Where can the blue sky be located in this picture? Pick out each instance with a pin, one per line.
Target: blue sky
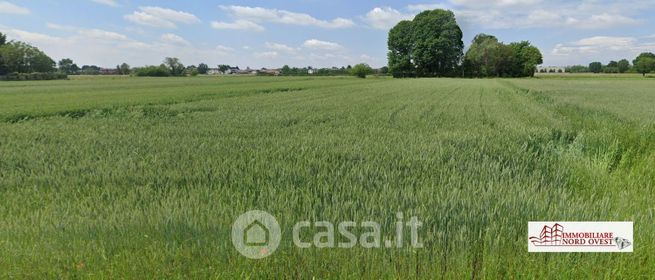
(312, 32)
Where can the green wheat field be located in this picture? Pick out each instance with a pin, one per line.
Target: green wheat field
(141, 178)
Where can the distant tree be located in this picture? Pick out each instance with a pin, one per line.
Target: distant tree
(644, 63)
(223, 68)
(175, 66)
(613, 64)
(67, 66)
(203, 68)
(286, 70)
(623, 65)
(596, 67)
(577, 69)
(400, 50)
(3, 41)
(90, 70)
(384, 70)
(153, 71)
(361, 70)
(124, 69)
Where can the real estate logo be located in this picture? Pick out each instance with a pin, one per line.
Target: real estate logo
(580, 237)
(256, 234)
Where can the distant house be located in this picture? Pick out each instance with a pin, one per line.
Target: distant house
(108, 71)
(551, 69)
(272, 72)
(246, 71)
(229, 71)
(232, 70)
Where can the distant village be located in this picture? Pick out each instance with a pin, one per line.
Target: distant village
(203, 69)
(247, 71)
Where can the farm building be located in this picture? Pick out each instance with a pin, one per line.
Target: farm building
(551, 69)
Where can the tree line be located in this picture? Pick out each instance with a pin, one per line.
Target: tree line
(431, 45)
(643, 64)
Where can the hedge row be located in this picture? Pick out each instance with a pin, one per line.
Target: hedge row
(33, 76)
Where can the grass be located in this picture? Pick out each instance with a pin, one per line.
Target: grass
(138, 177)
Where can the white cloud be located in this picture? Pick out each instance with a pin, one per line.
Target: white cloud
(267, 55)
(486, 3)
(111, 3)
(417, 8)
(9, 8)
(598, 48)
(96, 34)
(224, 48)
(321, 45)
(173, 39)
(244, 25)
(161, 17)
(107, 49)
(606, 41)
(279, 47)
(598, 44)
(102, 34)
(385, 18)
(259, 14)
(511, 14)
(602, 21)
(31, 37)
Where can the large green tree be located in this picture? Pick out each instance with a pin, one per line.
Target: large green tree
(400, 50)
(595, 67)
(623, 65)
(203, 68)
(481, 58)
(3, 41)
(487, 57)
(361, 70)
(437, 43)
(23, 58)
(645, 63)
(430, 45)
(527, 57)
(124, 69)
(175, 66)
(68, 67)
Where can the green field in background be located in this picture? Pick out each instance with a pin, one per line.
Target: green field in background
(138, 178)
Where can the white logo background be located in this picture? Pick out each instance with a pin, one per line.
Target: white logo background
(621, 230)
(256, 234)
